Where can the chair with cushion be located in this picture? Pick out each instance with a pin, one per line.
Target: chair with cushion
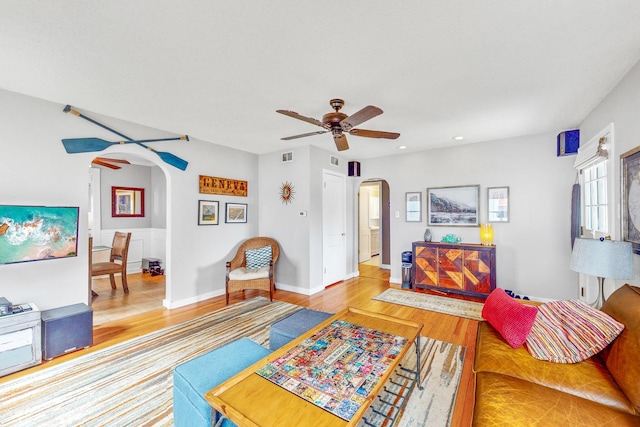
(119, 252)
(253, 266)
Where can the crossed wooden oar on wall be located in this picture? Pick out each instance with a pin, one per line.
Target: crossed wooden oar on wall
(87, 145)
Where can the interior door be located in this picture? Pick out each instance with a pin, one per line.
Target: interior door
(364, 241)
(334, 213)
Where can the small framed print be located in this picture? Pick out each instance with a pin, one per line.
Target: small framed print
(207, 212)
(236, 212)
(498, 204)
(414, 207)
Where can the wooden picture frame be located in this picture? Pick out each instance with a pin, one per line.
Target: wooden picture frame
(127, 202)
(498, 204)
(236, 213)
(630, 200)
(413, 203)
(456, 206)
(208, 212)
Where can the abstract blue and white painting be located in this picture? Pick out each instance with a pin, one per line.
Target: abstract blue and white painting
(32, 233)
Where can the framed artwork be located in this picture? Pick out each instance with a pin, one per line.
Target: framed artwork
(498, 204)
(630, 206)
(453, 206)
(236, 212)
(34, 233)
(413, 203)
(127, 202)
(207, 212)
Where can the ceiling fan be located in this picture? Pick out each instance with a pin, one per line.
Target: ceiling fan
(338, 123)
(109, 162)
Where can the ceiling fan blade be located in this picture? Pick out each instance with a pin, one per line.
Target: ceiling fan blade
(99, 162)
(301, 117)
(374, 133)
(302, 135)
(341, 142)
(109, 159)
(361, 116)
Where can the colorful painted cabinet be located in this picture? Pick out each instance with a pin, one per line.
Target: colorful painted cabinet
(467, 269)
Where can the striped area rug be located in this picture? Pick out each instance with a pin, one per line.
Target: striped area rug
(455, 307)
(131, 384)
(441, 370)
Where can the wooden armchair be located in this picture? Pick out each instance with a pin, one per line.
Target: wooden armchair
(240, 277)
(120, 252)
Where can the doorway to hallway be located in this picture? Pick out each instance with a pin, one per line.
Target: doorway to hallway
(374, 224)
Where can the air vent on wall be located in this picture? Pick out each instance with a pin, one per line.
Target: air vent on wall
(335, 161)
(287, 157)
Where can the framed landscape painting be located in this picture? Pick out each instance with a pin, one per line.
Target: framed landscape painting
(35, 233)
(236, 212)
(453, 206)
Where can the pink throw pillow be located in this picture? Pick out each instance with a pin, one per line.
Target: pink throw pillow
(511, 318)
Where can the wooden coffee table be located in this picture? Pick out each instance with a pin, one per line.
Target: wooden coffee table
(248, 399)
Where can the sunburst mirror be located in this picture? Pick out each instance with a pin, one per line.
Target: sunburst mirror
(286, 192)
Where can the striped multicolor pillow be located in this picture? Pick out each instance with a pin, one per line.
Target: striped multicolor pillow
(570, 331)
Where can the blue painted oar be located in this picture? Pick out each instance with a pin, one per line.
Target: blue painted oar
(85, 145)
(166, 157)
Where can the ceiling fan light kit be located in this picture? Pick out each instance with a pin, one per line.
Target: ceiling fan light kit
(338, 123)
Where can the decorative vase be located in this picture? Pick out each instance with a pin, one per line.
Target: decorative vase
(486, 234)
(427, 235)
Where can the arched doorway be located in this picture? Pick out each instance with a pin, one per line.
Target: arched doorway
(149, 239)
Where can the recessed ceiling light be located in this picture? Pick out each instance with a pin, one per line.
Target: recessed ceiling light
(402, 147)
(458, 138)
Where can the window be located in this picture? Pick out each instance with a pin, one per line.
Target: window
(595, 199)
(593, 163)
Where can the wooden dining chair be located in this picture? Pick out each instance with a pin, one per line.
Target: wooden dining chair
(119, 252)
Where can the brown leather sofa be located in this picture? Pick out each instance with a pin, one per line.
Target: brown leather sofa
(514, 389)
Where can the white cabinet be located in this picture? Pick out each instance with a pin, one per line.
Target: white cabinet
(375, 242)
(20, 340)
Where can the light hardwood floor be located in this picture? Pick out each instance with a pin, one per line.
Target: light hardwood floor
(355, 292)
(146, 293)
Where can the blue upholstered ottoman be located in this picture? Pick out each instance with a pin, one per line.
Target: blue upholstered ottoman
(294, 325)
(192, 379)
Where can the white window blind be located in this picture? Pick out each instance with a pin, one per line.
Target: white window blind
(592, 151)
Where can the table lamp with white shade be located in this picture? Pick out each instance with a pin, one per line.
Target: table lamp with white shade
(602, 258)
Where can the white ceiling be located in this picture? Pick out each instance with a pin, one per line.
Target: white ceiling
(218, 70)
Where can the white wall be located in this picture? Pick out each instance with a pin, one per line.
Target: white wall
(134, 176)
(36, 170)
(299, 268)
(533, 249)
(282, 221)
